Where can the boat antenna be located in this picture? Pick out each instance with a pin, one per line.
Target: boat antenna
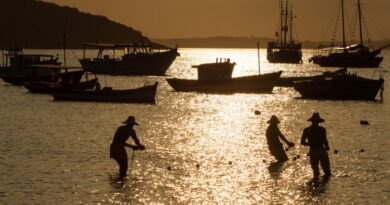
(258, 56)
(64, 41)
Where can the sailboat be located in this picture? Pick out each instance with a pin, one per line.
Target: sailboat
(281, 50)
(358, 55)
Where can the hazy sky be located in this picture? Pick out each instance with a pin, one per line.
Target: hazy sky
(204, 18)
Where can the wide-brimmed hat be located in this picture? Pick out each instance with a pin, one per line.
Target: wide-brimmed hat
(273, 120)
(130, 120)
(316, 118)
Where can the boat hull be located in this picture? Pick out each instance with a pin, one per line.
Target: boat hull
(248, 84)
(355, 60)
(144, 94)
(21, 78)
(155, 64)
(50, 88)
(341, 88)
(285, 56)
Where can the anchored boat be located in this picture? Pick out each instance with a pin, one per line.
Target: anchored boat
(137, 59)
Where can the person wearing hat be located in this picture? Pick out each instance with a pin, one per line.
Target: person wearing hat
(274, 145)
(314, 136)
(117, 148)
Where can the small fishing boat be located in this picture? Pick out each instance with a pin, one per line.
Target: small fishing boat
(19, 67)
(145, 94)
(344, 86)
(50, 87)
(217, 78)
(138, 59)
(289, 81)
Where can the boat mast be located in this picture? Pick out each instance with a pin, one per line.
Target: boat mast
(285, 28)
(360, 23)
(258, 56)
(291, 23)
(281, 22)
(342, 17)
(64, 39)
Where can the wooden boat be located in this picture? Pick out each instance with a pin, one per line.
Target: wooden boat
(289, 81)
(138, 59)
(17, 58)
(54, 73)
(281, 50)
(216, 78)
(340, 87)
(19, 67)
(357, 55)
(50, 87)
(144, 94)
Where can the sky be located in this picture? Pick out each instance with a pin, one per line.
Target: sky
(315, 19)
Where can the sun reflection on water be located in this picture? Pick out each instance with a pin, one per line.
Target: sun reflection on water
(201, 148)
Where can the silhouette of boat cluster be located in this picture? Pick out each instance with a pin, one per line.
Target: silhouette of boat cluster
(44, 74)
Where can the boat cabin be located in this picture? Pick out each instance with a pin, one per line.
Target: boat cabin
(16, 57)
(221, 69)
(129, 51)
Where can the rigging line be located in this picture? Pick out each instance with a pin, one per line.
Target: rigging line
(335, 28)
(373, 23)
(163, 168)
(367, 34)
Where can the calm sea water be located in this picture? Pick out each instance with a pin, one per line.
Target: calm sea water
(58, 152)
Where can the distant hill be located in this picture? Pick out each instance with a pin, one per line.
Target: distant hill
(235, 42)
(36, 24)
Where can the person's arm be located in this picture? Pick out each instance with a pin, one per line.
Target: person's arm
(133, 135)
(325, 142)
(304, 139)
(290, 144)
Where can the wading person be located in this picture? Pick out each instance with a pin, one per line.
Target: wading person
(275, 146)
(117, 148)
(314, 136)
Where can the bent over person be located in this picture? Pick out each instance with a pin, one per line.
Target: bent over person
(314, 136)
(275, 146)
(117, 148)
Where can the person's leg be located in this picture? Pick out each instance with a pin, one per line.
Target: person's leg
(325, 164)
(279, 153)
(122, 162)
(314, 162)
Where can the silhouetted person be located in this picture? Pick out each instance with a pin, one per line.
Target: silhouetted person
(117, 148)
(315, 137)
(275, 146)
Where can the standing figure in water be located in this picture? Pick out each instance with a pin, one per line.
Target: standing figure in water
(275, 146)
(315, 137)
(117, 148)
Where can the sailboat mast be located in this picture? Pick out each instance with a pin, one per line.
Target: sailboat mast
(342, 17)
(285, 28)
(360, 23)
(281, 22)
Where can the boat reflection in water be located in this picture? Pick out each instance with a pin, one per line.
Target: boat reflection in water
(217, 78)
